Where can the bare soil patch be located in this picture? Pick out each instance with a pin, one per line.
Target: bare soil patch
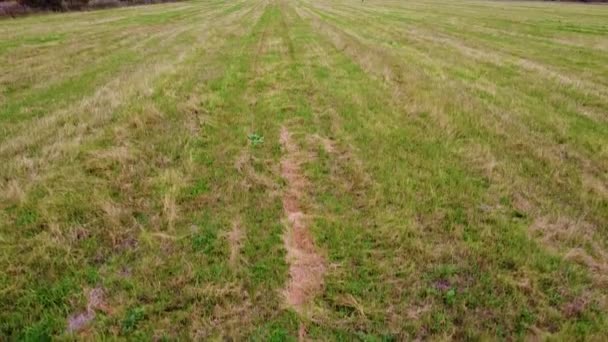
(306, 266)
(95, 301)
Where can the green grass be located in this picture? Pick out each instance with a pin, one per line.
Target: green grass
(455, 156)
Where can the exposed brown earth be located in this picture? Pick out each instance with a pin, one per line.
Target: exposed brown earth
(95, 301)
(306, 266)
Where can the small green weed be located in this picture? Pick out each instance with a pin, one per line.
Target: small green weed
(255, 139)
(132, 318)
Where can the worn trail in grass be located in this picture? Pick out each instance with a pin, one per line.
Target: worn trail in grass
(305, 169)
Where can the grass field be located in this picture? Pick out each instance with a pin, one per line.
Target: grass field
(299, 169)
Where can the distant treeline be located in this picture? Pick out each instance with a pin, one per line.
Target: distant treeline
(576, 0)
(21, 7)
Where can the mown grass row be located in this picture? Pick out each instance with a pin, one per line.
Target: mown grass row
(441, 218)
(142, 206)
(455, 156)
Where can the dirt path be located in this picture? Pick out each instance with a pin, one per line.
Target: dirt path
(306, 266)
